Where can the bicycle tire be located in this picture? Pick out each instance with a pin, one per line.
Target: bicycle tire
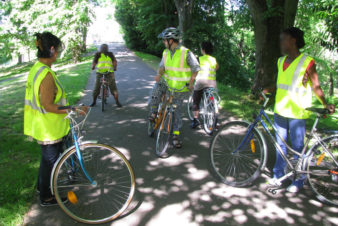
(209, 117)
(95, 204)
(189, 108)
(251, 156)
(164, 135)
(103, 100)
(151, 130)
(322, 182)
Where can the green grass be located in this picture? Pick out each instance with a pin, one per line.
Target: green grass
(151, 60)
(19, 159)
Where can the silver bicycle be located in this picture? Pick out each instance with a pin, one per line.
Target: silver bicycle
(209, 108)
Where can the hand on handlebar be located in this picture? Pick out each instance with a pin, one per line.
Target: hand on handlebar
(157, 78)
(331, 108)
(190, 86)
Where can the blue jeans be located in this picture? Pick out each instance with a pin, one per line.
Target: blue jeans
(49, 154)
(294, 131)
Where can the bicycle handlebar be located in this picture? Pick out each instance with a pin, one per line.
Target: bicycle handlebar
(173, 89)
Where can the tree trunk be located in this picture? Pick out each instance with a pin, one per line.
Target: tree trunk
(269, 21)
(19, 59)
(184, 11)
(331, 85)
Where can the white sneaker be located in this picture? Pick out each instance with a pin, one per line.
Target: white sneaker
(274, 182)
(292, 189)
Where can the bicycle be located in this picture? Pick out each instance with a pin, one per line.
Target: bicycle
(208, 109)
(163, 122)
(104, 89)
(238, 155)
(98, 180)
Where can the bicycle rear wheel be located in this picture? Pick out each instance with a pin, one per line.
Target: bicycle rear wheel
(209, 115)
(189, 106)
(237, 154)
(94, 204)
(164, 135)
(103, 101)
(323, 170)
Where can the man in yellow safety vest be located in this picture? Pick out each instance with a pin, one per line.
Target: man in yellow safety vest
(178, 68)
(297, 78)
(106, 64)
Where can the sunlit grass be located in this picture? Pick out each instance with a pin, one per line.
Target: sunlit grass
(150, 60)
(19, 159)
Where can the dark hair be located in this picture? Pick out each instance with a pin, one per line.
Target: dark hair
(104, 48)
(297, 34)
(44, 41)
(207, 47)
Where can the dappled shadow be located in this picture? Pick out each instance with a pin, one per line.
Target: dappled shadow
(180, 190)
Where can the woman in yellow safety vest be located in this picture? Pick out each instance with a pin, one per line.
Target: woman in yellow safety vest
(42, 119)
(206, 78)
(297, 77)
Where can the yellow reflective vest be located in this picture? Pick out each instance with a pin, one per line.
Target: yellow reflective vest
(38, 123)
(177, 72)
(292, 96)
(105, 64)
(208, 68)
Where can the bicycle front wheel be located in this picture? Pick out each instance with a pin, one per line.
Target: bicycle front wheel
(322, 170)
(164, 135)
(108, 197)
(103, 100)
(238, 154)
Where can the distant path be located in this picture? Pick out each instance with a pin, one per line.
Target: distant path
(178, 191)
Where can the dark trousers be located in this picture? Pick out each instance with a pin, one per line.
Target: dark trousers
(49, 154)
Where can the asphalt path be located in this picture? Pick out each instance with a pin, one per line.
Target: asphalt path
(180, 190)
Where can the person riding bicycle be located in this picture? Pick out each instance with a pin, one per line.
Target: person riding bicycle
(105, 62)
(206, 78)
(297, 78)
(42, 119)
(178, 66)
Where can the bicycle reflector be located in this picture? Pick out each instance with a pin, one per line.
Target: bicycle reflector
(72, 197)
(212, 98)
(320, 159)
(252, 145)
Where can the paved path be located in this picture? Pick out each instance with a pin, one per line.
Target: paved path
(178, 191)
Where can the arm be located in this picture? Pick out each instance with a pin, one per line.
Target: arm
(313, 75)
(95, 60)
(160, 71)
(114, 60)
(195, 68)
(47, 95)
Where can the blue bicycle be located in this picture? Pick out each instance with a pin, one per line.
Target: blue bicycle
(98, 180)
(238, 155)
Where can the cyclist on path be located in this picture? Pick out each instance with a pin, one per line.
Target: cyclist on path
(206, 78)
(297, 78)
(105, 61)
(178, 67)
(42, 119)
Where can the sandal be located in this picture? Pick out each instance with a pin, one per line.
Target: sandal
(176, 142)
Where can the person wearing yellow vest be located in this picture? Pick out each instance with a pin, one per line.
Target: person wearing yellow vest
(178, 68)
(297, 78)
(206, 78)
(42, 119)
(105, 61)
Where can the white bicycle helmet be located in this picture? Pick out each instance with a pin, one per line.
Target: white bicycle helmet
(170, 32)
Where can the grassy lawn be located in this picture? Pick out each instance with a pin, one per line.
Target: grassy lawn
(151, 60)
(242, 105)
(19, 159)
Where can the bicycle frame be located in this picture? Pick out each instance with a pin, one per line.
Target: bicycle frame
(259, 119)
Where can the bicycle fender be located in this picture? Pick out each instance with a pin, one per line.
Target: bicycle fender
(65, 152)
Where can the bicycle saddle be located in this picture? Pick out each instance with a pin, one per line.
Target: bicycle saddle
(321, 111)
